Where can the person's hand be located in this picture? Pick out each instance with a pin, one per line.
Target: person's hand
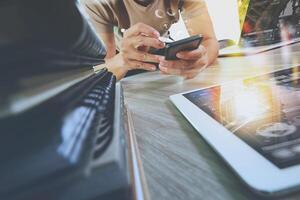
(133, 47)
(189, 65)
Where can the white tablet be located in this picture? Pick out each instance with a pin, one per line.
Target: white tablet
(254, 125)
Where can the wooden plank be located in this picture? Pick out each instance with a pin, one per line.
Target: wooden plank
(178, 163)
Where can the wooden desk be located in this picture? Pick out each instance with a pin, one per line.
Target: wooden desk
(178, 163)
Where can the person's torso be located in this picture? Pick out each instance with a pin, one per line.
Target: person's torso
(160, 14)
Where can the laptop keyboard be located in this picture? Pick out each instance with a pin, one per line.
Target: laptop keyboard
(102, 99)
(93, 115)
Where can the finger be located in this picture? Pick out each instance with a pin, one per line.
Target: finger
(143, 56)
(192, 55)
(203, 62)
(178, 64)
(141, 65)
(147, 41)
(141, 28)
(171, 71)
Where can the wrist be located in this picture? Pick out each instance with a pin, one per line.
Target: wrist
(115, 66)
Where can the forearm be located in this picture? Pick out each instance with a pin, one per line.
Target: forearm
(112, 63)
(130, 56)
(198, 22)
(212, 47)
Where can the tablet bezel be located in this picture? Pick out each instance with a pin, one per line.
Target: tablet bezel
(256, 171)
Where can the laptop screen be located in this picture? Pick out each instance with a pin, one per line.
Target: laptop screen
(271, 21)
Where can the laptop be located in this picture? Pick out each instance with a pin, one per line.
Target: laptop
(268, 24)
(65, 130)
(254, 125)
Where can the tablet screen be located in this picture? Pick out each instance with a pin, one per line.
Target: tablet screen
(263, 111)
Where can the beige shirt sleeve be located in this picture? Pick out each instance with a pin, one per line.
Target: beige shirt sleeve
(101, 15)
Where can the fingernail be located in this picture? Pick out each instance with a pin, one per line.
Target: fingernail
(178, 55)
(153, 68)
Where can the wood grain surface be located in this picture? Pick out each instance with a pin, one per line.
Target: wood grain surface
(178, 163)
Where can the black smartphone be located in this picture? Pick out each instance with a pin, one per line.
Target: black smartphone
(187, 44)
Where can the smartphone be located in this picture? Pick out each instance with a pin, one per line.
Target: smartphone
(187, 44)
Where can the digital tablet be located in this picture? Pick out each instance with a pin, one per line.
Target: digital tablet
(254, 125)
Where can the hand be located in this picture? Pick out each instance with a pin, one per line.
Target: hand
(133, 45)
(189, 65)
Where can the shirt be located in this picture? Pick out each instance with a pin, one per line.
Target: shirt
(122, 14)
